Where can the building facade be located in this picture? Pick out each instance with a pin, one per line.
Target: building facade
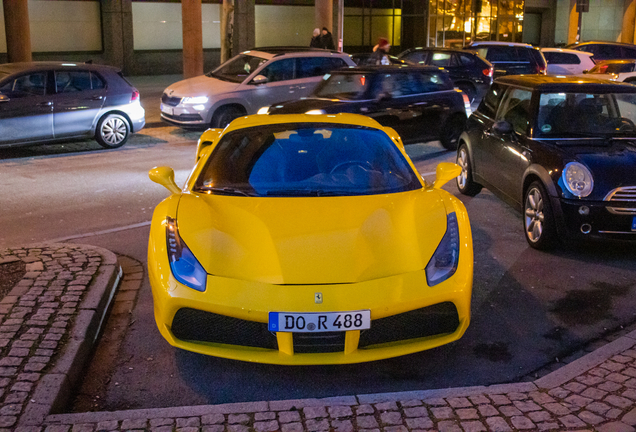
(146, 37)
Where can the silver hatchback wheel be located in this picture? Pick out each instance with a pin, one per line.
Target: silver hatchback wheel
(112, 131)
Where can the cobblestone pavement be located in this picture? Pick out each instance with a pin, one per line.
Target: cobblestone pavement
(42, 313)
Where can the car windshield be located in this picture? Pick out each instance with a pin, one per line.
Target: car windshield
(571, 115)
(306, 159)
(237, 68)
(343, 86)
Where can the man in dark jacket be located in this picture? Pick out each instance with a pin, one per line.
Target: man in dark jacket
(326, 41)
(315, 40)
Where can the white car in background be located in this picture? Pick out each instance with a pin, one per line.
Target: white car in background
(614, 70)
(563, 61)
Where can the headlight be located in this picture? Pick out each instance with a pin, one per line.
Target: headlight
(184, 265)
(316, 112)
(263, 110)
(194, 100)
(443, 264)
(578, 179)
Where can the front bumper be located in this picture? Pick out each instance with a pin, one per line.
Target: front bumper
(407, 316)
(605, 220)
(184, 116)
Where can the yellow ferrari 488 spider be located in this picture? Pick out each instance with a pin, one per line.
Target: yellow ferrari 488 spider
(309, 239)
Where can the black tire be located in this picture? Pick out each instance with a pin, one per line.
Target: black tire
(469, 89)
(451, 130)
(539, 224)
(112, 131)
(224, 116)
(465, 183)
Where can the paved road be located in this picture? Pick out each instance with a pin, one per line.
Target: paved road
(528, 307)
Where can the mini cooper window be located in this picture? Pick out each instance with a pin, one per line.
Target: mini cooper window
(292, 160)
(515, 109)
(571, 115)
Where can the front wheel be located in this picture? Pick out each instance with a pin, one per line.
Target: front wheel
(538, 220)
(451, 130)
(224, 116)
(465, 182)
(112, 131)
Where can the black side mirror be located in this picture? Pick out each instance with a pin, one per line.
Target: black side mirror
(502, 127)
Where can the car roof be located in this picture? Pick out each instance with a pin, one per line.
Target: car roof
(616, 61)
(282, 50)
(575, 44)
(264, 119)
(566, 50)
(495, 43)
(445, 49)
(386, 68)
(561, 83)
(11, 68)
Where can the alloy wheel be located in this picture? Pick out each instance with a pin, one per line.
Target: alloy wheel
(534, 216)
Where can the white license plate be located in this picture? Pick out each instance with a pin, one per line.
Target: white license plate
(167, 109)
(314, 322)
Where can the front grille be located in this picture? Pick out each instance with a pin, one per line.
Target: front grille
(429, 321)
(183, 117)
(622, 194)
(311, 343)
(172, 101)
(200, 326)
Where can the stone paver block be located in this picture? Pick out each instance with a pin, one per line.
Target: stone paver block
(386, 406)
(590, 380)
(317, 425)
(541, 398)
(598, 408)
(510, 411)
(578, 400)
(411, 403)
(419, 423)
(364, 409)
(630, 417)
(264, 416)
(557, 408)
(590, 418)
(366, 422)
(340, 411)
(612, 366)
(571, 421)
(459, 402)
(487, 410)
(479, 400)
(513, 396)
(521, 422)
(238, 419)
(473, 426)
(57, 428)
(134, 424)
(186, 422)
(442, 413)
(594, 393)
(617, 377)
(548, 426)
(391, 418)
(610, 386)
(156, 422)
(526, 406)
(575, 387)
(208, 428)
(266, 426)
(613, 413)
(416, 412)
(629, 393)
(315, 412)
(448, 426)
(211, 419)
(237, 428)
(292, 427)
(435, 402)
(342, 425)
(615, 427)
(395, 429)
(539, 416)
(467, 413)
(559, 392)
(288, 416)
(618, 401)
(500, 399)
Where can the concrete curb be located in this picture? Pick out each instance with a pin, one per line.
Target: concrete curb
(52, 393)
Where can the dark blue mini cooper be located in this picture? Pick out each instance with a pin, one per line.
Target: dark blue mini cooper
(561, 150)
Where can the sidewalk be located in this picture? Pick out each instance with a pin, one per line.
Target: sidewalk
(50, 320)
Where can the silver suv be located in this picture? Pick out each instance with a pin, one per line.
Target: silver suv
(246, 83)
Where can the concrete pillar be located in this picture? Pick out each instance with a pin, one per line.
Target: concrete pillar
(573, 22)
(324, 15)
(191, 23)
(629, 20)
(117, 34)
(244, 32)
(18, 34)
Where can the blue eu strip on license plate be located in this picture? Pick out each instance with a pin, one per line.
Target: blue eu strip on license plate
(634, 224)
(315, 322)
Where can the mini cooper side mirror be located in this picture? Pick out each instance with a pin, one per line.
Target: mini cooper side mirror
(165, 177)
(502, 127)
(4, 98)
(445, 172)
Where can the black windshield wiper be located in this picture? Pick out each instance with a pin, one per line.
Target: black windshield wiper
(226, 191)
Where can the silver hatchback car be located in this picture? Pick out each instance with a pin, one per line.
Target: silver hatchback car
(245, 83)
(53, 101)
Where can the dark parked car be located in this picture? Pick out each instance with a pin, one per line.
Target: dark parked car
(511, 58)
(561, 150)
(470, 73)
(364, 59)
(420, 103)
(606, 50)
(52, 101)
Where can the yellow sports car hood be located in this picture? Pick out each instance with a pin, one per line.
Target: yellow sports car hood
(312, 240)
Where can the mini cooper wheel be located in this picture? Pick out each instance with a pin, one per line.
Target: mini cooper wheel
(112, 131)
(538, 220)
(224, 116)
(465, 182)
(451, 130)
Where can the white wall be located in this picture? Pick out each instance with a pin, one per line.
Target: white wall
(284, 25)
(75, 25)
(157, 26)
(604, 21)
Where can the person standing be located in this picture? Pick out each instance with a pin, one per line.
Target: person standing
(315, 40)
(380, 54)
(326, 40)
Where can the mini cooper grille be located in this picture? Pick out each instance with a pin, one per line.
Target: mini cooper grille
(305, 343)
(172, 101)
(622, 194)
(429, 321)
(200, 326)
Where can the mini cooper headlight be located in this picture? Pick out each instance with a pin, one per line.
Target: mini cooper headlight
(443, 264)
(184, 265)
(578, 179)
